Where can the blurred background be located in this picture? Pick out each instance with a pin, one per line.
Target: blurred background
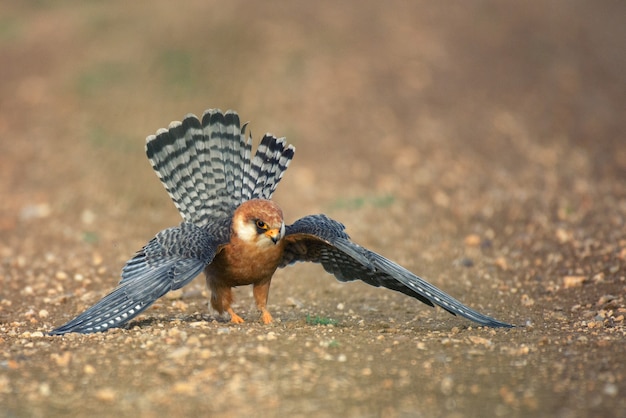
(406, 95)
(433, 130)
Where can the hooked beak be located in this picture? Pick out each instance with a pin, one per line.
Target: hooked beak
(275, 234)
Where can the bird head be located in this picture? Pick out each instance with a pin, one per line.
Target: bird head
(260, 222)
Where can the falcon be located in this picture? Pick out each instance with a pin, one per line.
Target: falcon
(233, 232)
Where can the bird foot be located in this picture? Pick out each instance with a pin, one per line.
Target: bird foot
(266, 317)
(235, 319)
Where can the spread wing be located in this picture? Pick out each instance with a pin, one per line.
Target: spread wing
(173, 258)
(320, 239)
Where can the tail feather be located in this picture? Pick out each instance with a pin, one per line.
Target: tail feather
(174, 163)
(206, 166)
(269, 164)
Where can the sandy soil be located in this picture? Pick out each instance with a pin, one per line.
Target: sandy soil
(479, 145)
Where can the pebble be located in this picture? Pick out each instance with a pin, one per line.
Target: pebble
(480, 341)
(573, 281)
(87, 217)
(174, 294)
(526, 300)
(44, 389)
(184, 388)
(502, 263)
(96, 259)
(610, 389)
(446, 386)
(61, 360)
(37, 211)
(472, 240)
(178, 353)
(106, 395)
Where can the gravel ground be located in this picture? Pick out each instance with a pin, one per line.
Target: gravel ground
(480, 145)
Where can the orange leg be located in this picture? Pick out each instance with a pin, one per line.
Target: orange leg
(261, 293)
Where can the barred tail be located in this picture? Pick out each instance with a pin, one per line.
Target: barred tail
(206, 166)
(268, 166)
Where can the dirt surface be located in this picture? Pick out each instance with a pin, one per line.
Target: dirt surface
(480, 145)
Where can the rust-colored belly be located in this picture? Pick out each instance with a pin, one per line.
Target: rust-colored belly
(238, 265)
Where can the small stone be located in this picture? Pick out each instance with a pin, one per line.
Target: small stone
(96, 259)
(464, 262)
(184, 388)
(174, 294)
(598, 277)
(610, 389)
(106, 395)
(446, 385)
(43, 313)
(61, 360)
(604, 299)
(263, 350)
(507, 395)
(44, 389)
(181, 352)
(87, 217)
(480, 340)
(39, 211)
(527, 300)
(441, 199)
(193, 340)
(563, 236)
(502, 263)
(173, 332)
(472, 240)
(573, 281)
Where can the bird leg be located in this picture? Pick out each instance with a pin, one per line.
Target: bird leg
(221, 298)
(261, 292)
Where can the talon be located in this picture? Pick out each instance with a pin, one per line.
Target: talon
(266, 317)
(234, 318)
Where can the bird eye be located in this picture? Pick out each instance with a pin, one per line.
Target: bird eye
(260, 224)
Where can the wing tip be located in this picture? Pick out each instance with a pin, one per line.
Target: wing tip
(494, 323)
